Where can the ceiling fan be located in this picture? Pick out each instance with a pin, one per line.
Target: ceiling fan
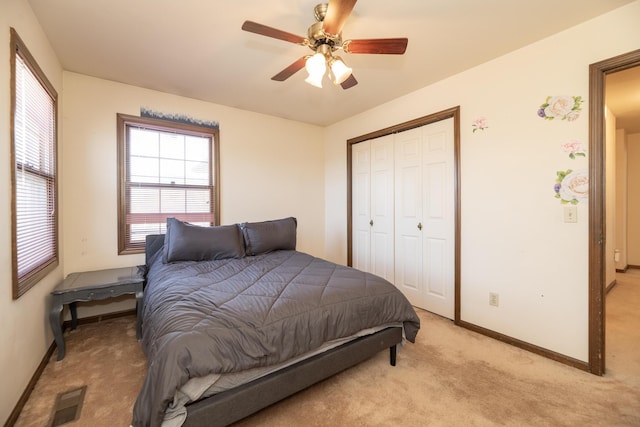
(324, 37)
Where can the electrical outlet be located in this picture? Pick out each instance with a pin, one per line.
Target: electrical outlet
(494, 299)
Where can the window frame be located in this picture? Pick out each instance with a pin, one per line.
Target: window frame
(22, 283)
(124, 122)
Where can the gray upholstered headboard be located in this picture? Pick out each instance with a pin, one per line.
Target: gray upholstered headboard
(153, 244)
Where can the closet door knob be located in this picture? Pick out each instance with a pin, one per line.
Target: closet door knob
(419, 226)
(371, 223)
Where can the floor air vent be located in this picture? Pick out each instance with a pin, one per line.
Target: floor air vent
(68, 406)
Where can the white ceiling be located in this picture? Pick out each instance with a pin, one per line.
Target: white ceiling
(196, 48)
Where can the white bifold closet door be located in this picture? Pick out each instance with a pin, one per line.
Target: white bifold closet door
(424, 212)
(403, 213)
(373, 206)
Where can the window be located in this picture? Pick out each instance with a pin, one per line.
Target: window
(34, 178)
(166, 169)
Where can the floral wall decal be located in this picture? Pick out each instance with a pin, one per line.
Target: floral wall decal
(572, 187)
(561, 107)
(479, 124)
(575, 149)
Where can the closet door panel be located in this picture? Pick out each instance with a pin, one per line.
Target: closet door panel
(435, 267)
(435, 197)
(382, 207)
(438, 218)
(408, 208)
(361, 205)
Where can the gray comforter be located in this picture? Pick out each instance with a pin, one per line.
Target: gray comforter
(235, 314)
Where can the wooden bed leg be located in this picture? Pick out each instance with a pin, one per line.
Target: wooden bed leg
(392, 355)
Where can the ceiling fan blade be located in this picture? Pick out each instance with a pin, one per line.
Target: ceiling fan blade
(350, 82)
(337, 13)
(254, 27)
(290, 70)
(395, 46)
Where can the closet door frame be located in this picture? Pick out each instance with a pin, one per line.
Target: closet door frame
(415, 123)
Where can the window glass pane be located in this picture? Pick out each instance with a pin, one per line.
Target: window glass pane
(171, 146)
(197, 173)
(172, 171)
(173, 200)
(34, 172)
(167, 172)
(198, 201)
(144, 169)
(139, 231)
(33, 214)
(145, 200)
(143, 142)
(197, 148)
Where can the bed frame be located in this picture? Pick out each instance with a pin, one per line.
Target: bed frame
(233, 405)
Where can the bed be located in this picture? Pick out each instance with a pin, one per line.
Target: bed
(235, 319)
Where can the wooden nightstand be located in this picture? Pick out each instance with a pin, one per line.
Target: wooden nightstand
(90, 286)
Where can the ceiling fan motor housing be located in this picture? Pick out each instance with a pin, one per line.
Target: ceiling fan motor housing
(318, 37)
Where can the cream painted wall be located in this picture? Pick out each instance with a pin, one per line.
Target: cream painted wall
(25, 335)
(633, 218)
(270, 168)
(514, 240)
(621, 199)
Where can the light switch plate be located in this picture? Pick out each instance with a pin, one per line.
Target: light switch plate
(570, 214)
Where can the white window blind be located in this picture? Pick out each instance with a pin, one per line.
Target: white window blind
(35, 234)
(167, 173)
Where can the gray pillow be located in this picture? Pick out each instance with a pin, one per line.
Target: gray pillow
(267, 236)
(188, 242)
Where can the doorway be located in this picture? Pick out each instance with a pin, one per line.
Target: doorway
(597, 203)
(622, 117)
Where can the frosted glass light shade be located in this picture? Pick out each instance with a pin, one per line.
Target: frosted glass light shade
(316, 67)
(340, 71)
(315, 80)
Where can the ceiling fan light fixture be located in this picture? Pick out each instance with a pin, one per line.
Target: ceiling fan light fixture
(315, 80)
(316, 66)
(339, 70)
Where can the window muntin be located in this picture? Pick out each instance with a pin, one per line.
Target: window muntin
(166, 170)
(34, 170)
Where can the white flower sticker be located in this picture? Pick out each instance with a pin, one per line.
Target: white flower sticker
(561, 107)
(572, 186)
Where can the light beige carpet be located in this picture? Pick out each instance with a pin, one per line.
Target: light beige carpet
(450, 377)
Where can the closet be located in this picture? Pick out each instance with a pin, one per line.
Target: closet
(403, 215)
